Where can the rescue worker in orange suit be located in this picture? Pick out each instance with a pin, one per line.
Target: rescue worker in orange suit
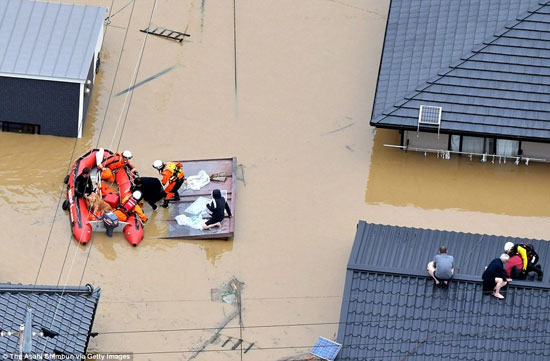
(128, 206)
(172, 179)
(113, 163)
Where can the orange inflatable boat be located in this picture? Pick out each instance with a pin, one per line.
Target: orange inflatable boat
(83, 221)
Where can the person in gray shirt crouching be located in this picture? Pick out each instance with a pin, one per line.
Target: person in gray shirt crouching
(442, 267)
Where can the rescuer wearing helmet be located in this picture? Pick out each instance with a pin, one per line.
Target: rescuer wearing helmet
(115, 162)
(128, 206)
(172, 179)
(528, 256)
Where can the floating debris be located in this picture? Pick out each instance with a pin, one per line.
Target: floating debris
(166, 33)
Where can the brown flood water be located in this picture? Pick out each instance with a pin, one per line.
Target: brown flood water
(296, 118)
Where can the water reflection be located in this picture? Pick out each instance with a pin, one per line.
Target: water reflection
(409, 178)
(214, 249)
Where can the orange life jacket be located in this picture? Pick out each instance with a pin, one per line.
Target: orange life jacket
(113, 162)
(172, 171)
(128, 206)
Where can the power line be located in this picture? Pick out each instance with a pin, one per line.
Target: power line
(210, 300)
(54, 217)
(70, 237)
(401, 354)
(105, 115)
(63, 188)
(396, 318)
(136, 73)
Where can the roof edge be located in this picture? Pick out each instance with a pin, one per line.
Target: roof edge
(19, 288)
(444, 230)
(458, 277)
(40, 77)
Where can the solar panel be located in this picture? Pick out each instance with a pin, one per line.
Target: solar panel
(429, 115)
(326, 349)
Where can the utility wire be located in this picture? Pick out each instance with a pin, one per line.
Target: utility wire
(70, 237)
(455, 292)
(314, 324)
(54, 217)
(442, 355)
(105, 116)
(210, 300)
(131, 92)
(63, 188)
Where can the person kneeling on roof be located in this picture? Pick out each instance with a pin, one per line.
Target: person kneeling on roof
(172, 179)
(442, 267)
(217, 206)
(529, 258)
(83, 183)
(113, 163)
(128, 206)
(494, 277)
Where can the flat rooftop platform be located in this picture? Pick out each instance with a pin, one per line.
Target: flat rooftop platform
(226, 166)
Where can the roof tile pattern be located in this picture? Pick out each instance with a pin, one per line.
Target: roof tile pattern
(486, 63)
(410, 249)
(392, 311)
(68, 312)
(402, 317)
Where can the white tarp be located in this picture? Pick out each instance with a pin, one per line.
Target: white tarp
(194, 222)
(196, 182)
(198, 206)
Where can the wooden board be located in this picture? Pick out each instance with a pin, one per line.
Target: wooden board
(188, 196)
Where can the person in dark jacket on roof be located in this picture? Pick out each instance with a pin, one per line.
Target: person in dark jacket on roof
(83, 184)
(218, 206)
(494, 277)
(151, 190)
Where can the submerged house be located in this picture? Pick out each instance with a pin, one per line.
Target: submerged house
(62, 319)
(467, 76)
(49, 55)
(392, 311)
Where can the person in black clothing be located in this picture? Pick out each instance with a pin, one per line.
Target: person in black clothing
(217, 207)
(494, 277)
(83, 184)
(151, 190)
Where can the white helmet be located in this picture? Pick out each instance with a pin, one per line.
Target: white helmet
(136, 195)
(158, 164)
(127, 154)
(508, 246)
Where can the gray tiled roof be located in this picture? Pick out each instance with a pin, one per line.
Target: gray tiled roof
(50, 40)
(410, 249)
(391, 310)
(487, 63)
(72, 311)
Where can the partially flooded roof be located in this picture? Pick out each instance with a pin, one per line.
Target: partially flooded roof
(391, 309)
(48, 40)
(484, 62)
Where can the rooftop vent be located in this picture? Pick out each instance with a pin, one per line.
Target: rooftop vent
(429, 115)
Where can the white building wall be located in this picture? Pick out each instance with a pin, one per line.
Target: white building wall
(535, 150)
(426, 140)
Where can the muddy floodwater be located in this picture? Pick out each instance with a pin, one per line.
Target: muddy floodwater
(287, 88)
